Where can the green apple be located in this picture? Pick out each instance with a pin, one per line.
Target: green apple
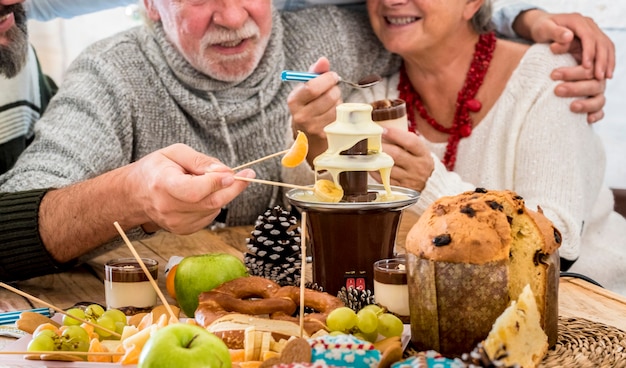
(184, 345)
(195, 274)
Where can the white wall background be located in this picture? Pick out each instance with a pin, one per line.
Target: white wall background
(611, 17)
(59, 42)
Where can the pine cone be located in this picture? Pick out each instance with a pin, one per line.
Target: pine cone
(355, 299)
(274, 247)
(314, 286)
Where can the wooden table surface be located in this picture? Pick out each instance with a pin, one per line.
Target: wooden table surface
(577, 298)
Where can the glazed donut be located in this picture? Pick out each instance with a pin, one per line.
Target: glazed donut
(247, 295)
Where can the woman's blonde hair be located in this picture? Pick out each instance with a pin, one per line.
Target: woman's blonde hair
(481, 21)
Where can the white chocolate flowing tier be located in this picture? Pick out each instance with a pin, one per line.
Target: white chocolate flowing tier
(354, 124)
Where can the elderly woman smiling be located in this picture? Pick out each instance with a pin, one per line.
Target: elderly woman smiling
(486, 115)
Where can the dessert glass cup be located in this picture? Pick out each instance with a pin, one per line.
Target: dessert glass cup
(390, 286)
(390, 113)
(127, 287)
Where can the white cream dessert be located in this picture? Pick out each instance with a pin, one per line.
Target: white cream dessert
(129, 294)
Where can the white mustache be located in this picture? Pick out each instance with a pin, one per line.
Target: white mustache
(223, 35)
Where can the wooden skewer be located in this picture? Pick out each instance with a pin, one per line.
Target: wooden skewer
(145, 270)
(259, 160)
(277, 183)
(302, 269)
(63, 352)
(34, 298)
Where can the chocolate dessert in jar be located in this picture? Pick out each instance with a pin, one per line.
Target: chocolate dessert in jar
(348, 236)
(390, 113)
(126, 286)
(391, 290)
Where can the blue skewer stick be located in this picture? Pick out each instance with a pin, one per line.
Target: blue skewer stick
(10, 317)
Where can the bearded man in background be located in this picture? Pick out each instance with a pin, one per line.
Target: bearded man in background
(25, 89)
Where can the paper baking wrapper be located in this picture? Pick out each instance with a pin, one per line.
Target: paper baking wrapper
(550, 321)
(453, 305)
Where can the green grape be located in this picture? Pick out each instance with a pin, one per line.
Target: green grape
(53, 335)
(366, 320)
(106, 322)
(74, 338)
(374, 308)
(371, 337)
(336, 333)
(93, 312)
(76, 312)
(116, 315)
(41, 342)
(119, 327)
(341, 319)
(389, 325)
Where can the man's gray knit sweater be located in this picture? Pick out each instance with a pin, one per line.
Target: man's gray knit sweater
(132, 94)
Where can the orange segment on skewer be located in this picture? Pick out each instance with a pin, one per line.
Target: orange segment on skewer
(169, 282)
(298, 151)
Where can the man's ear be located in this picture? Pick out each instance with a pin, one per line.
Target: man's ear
(471, 7)
(151, 10)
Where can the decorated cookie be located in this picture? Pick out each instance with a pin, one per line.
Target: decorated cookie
(428, 359)
(301, 365)
(344, 351)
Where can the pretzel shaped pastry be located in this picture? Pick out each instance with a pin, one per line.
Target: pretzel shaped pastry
(255, 295)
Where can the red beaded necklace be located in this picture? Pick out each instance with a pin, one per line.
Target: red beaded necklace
(465, 102)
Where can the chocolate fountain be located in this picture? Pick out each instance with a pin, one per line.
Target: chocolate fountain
(347, 237)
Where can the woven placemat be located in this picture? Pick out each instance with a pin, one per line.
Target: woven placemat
(584, 343)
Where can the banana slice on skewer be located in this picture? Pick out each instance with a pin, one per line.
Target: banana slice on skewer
(327, 191)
